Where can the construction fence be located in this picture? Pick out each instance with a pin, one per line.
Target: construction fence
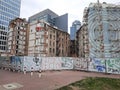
(27, 63)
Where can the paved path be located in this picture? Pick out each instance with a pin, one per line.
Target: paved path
(50, 80)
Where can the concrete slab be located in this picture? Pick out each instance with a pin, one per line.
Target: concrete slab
(2, 88)
(11, 86)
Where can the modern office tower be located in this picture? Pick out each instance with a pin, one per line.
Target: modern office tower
(46, 40)
(61, 22)
(9, 9)
(18, 37)
(73, 29)
(103, 24)
(73, 43)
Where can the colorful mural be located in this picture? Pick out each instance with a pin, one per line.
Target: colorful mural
(67, 62)
(56, 63)
(31, 63)
(81, 64)
(3, 62)
(15, 62)
(51, 63)
(97, 65)
(113, 65)
(27, 63)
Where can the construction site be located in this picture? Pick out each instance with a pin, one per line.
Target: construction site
(38, 54)
(42, 44)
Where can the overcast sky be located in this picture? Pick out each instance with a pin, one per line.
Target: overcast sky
(74, 8)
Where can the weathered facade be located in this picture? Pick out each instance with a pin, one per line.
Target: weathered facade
(73, 48)
(62, 43)
(104, 30)
(102, 23)
(18, 37)
(82, 39)
(46, 40)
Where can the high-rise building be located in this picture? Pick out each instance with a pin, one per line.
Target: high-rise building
(73, 29)
(61, 22)
(9, 9)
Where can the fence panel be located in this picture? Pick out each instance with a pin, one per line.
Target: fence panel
(81, 64)
(104, 65)
(113, 65)
(51, 63)
(67, 62)
(97, 65)
(31, 63)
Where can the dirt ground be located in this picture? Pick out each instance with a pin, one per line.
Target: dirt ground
(49, 80)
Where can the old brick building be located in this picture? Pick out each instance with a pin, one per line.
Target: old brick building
(46, 40)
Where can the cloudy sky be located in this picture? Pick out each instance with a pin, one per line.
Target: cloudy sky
(74, 8)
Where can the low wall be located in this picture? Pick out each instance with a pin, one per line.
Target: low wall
(113, 65)
(97, 65)
(41, 63)
(103, 65)
(4, 62)
(81, 63)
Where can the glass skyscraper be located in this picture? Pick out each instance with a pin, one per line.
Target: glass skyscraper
(61, 22)
(73, 29)
(9, 9)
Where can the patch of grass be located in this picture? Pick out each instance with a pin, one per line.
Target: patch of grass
(94, 84)
(65, 88)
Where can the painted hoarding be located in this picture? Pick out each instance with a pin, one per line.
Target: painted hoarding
(97, 65)
(67, 62)
(16, 62)
(31, 63)
(25, 63)
(81, 64)
(113, 65)
(51, 63)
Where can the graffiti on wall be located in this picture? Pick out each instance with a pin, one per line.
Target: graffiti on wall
(113, 65)
(51, 63)
(15, 59)
(30, 64)
(97, 65)
(15, 62)
(36, 60)
(67, 63)
(4, 61)
(81, 64)
(106, 65)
